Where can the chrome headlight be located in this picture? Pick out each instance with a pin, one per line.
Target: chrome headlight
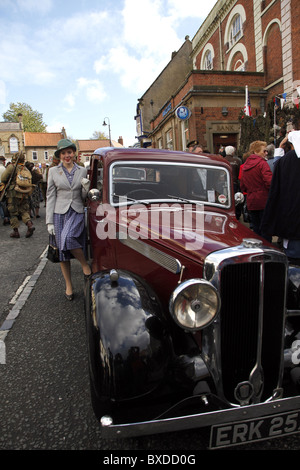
(194, 304)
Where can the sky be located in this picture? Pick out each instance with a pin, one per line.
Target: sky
(78, 62)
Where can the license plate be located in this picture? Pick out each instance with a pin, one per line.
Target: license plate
(256, 429)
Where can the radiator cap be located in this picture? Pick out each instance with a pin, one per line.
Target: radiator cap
(252, 243)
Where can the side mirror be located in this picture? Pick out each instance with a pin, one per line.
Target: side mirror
(239, 198)
(94, 195)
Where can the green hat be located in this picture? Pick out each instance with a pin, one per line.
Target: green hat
(64, 144)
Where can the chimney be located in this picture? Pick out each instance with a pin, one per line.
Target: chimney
(120, 140)
(20, 116)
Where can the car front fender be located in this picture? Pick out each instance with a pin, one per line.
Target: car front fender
(128, 344)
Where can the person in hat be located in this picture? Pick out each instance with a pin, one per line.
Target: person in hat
(66, 192)
(191, 144)
(17, 202)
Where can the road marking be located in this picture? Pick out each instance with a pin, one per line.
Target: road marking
(19, 291)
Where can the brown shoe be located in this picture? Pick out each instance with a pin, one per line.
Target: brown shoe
(30, 230)
(15, 233)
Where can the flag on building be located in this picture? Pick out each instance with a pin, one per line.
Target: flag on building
(247, 108)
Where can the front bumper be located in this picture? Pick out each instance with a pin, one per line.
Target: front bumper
(233, 415)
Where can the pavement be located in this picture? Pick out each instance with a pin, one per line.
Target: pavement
(22, 262)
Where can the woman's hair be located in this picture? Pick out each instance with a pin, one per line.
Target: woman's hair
(245, 156)
(256, 146)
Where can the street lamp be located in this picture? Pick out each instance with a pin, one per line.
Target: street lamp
(105, 124)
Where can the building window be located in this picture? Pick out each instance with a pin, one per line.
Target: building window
(169, 139)
(236, 30)
(208, 61)
(46, 155)
(159, 143)
(13, 145)
(239, 66)
(207, 57)
(34, 156)
(234, 26)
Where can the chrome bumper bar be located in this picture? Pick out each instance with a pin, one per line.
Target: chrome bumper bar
(199, 420)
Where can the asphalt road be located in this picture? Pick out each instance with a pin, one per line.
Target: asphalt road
(44, 384)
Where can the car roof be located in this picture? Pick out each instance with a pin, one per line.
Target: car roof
(113, 154)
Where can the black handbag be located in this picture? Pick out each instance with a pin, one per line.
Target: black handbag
(53, 252)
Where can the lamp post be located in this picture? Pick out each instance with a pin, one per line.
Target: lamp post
(105, 124)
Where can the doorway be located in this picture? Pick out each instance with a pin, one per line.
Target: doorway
(222, 140)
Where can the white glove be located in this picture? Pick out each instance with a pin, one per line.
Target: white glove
(85, 183)
(50, 228)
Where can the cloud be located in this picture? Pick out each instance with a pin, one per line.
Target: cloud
(56, 126)
(91, 89)
(156, 34)
(189, 9)
(134, 73)
(145, 47)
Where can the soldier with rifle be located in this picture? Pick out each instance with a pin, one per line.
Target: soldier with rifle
(17, 202)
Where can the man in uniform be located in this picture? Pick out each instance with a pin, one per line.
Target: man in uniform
(17, 203)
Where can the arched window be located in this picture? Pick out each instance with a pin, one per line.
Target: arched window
(236, 30)
(234, 26)
(208, 63)
(239, 66)
(207, 59)
(238, 58)
(13, 144)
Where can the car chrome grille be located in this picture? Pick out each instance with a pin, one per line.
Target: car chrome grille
(251, 324)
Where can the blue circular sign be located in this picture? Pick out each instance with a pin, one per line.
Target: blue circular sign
(182, 112)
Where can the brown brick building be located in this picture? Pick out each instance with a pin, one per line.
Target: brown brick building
(241, 43)
(40, 146)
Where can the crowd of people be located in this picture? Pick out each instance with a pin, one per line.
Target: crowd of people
(269, 183)
(62, 187)
(267, 176)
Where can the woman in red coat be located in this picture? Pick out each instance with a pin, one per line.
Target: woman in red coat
(256, 182)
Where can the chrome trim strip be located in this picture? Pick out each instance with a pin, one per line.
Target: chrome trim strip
(202, 419)
(293, 313)
(166, 261)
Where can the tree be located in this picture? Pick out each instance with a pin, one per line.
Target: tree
(32, 120)
(98, 135)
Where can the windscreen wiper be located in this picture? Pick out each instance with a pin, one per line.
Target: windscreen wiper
(183, 199)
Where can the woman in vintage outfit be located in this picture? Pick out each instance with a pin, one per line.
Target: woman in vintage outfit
(66, 192)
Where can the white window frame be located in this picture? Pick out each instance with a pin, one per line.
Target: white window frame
(13, 144)
(237, 48)
(34, 156)
(169, 139)
(236, 30)
(208, 51)
(46, 155)
(232, 36)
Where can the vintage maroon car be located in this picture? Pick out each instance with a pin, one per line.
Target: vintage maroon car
(192, 320)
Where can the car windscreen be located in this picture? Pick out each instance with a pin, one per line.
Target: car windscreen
(163, 182)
